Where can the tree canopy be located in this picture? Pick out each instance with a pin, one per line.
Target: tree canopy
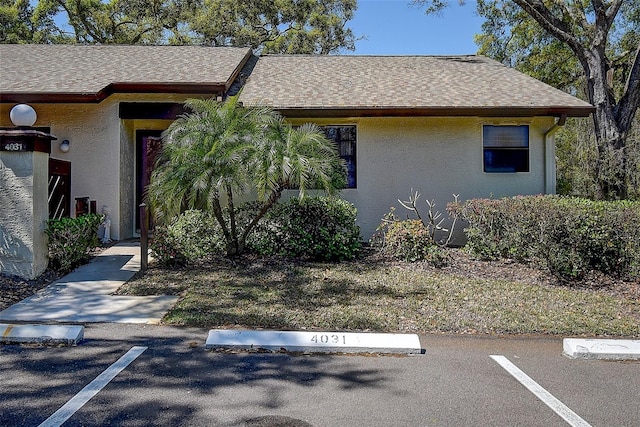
(18, 25)
(589, 48)
(275, 26)
(269, 26)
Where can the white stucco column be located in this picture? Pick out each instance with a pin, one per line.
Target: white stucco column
(24, 173)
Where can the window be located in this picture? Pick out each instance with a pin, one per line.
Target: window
(345, 139)
(505, 148)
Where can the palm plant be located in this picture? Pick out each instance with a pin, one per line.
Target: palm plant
(221, 150)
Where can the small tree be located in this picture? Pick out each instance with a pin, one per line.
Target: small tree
(422, 238)
(219, 151)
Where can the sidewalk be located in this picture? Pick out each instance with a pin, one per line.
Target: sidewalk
(84, 295)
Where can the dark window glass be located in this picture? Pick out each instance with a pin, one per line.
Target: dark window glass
(505, 149)
(345, 139)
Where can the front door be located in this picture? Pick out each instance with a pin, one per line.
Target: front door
(59, 188)
(148, 145)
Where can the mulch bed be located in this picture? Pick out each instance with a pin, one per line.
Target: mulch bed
(14, 289)
(463, 264)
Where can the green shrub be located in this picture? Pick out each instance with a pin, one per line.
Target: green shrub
(198, 235)
(410, 240)
(191, 237)
(165, 248)
(318, 228)
(569, 236)
(70, 240)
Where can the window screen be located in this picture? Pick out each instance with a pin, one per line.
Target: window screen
(505, 148)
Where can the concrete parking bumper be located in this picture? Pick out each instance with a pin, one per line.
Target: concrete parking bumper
(602, 349)
(41, 334)
(313, 342)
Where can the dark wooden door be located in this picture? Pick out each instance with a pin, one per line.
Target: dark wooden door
(149, 144)
(59, 188)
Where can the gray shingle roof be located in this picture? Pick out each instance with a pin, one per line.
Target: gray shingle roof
(294, 84)
(468, 85)
(88, 69)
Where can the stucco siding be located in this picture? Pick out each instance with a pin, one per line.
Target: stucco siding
(127, 179)
(40, 211)
(437, 157)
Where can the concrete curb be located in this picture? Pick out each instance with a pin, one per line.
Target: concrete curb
(601, 349)
(41, 334)
(313, 342)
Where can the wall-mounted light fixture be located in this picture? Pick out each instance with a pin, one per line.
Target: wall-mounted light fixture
(23, 115)
(64, 146)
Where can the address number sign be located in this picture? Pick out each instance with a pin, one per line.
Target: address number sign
(13, 146)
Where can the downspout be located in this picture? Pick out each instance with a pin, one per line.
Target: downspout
(550, 156)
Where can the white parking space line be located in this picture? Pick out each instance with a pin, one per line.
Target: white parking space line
(558, 407)
(91, 389)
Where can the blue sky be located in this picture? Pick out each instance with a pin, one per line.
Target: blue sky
(395, 27)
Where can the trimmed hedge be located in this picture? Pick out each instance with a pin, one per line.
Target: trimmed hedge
(317, 228)
(193, 236)
(568, 236)
(70, 240)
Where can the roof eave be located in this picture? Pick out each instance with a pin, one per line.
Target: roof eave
(48, 98)
(111, 89)
(320, 112)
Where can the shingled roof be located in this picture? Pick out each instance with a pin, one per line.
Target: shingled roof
(320, 85)
(89, 73)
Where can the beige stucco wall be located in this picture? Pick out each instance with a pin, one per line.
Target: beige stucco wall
(436, 156)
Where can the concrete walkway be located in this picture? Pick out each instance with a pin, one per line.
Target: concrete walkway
(84, 295)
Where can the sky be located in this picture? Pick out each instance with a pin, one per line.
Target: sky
(396, 27)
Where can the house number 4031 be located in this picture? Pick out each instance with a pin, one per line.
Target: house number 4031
(329, 339)
(13, 146)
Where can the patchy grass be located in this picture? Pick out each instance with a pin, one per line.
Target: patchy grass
(376, 295)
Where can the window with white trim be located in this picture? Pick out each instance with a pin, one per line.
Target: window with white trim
(505, 148)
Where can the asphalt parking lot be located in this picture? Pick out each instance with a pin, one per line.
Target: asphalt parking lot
(169, 379)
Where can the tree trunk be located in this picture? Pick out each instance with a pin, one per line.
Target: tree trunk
(268, 204)
(217, 212)
(233, 247)
(610, 138)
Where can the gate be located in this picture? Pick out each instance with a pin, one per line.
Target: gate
(59, 188)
